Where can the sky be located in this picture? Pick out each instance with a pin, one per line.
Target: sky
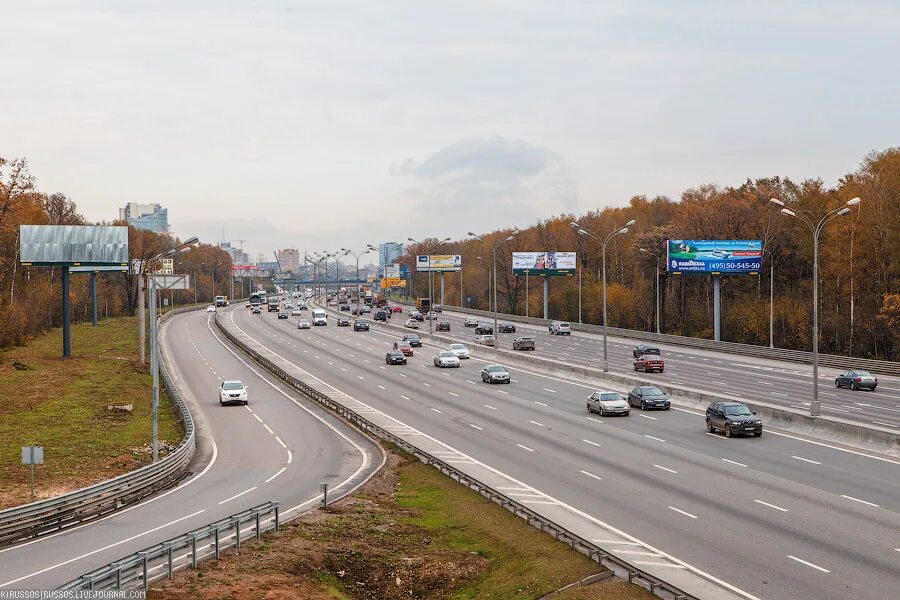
(321, 125)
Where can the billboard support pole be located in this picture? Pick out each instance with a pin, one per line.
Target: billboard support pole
(546, 297)
(154, 370)
(526, 294)
(67, 322)
(94, 298)
(442, 288)
(717, 307)
(579, 292)
(460, 287)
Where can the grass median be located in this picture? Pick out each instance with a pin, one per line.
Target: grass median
(409, 533)
(63, 405)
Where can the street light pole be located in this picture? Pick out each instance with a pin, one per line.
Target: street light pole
(494, 276)
(431, 248)
(603, 241)
(815, 408)
(356, 255)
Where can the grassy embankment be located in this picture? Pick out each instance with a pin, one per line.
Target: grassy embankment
(61, 404)
(409, 533)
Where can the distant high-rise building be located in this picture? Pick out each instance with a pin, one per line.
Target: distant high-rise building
(238, 256)
(289, 259)
(388, 252)
(260, 258)
(151, 217)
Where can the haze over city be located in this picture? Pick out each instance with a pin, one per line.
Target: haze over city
(335, 122)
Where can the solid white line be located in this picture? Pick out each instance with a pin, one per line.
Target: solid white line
(838, 448)
(771, 505)
(524, 447)
(655, 438)
(269, 429)
(814, 462)
(639, 553)
(238, 495)
(858, 500)
(491, 407)
(597, 477)
(666, 469)
(883, 423)
(734, 462)
(685, 513)
(276, 474)
(616, 542)
(92, 552)
(591, 443)
(476, 427)
(808, 564)
(662, 564)
(283, 445)
(536, 423)
(646, 416)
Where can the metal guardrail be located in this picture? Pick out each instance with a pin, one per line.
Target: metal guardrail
(634, 574)
(30, 520)
(885, 367)
(137, 570)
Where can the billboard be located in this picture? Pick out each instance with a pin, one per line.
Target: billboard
(714, 256)
(392, 271)
(439, 262)
(544, 263)
(73, 245)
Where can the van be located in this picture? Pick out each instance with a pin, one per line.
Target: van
(319, 317)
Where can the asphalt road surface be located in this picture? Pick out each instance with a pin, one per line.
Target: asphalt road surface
(280, 447)
(776, 516)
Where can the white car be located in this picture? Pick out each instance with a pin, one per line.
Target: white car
(232, 391)
(485, 340)
(295, 312)
(446, 358)
(459, 350)
(303, 324)
(287, 305)
(471, 322)
(608, 403)
(560, 328)
(211, 308)
(411, 323)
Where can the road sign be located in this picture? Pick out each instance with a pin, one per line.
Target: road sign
(172, 282)
(32, 455)
(389, 282)
(167, 267)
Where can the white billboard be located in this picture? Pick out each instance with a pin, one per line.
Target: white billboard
(392, 271)
(544, 263)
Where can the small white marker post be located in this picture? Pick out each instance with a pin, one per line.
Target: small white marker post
(324, 489)
(32, 455)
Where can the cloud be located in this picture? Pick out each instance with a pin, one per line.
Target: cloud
(486, 183)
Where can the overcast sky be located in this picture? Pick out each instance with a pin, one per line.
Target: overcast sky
(327, 124)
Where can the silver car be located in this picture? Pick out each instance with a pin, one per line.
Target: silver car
(459, 350)
(446, 358)
(494, 374)
(303, 324)
(608, 403)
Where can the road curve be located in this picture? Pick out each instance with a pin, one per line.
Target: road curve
(280, 448)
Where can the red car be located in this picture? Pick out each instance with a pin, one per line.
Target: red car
(404, 347)
(397, 309)
(649, 362)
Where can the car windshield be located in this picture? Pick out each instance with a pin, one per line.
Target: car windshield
(526, 339)
(447, 355)
(360, 322)
(495, 369)
(651, 391)
(737, 409)
(233, 385)
(610, 396)
(457, 347)
(412, 336)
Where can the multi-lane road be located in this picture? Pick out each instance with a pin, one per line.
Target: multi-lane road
(772, 382)
(776, 517)
(280, 448)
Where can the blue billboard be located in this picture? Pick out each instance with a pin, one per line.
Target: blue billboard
(706, 257)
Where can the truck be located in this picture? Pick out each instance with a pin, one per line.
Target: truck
(424, 305)
(221, 301)
(380, 300)
(273, 304)
(256, 299)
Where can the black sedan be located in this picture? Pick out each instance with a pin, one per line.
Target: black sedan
(360, 325)
(283, 314)
(648, 396)
(442, 326)
(506, 328)
(395, 357)
(414, 340)
(343, 322)
(646, 349)
(484, 329)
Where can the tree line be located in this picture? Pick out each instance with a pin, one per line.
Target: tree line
(859, 263)
(30, 299)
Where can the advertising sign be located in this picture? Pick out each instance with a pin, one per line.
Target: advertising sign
(714, 256)
(389, 282)
(392, 271)
(544, 263)
(439, 262)
(73, 245)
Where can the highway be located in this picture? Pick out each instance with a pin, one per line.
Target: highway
(779, 383)
(280, 448)
(776, 517)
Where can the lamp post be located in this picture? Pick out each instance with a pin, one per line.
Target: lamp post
(494, 276)
(653, 254)
(815, 407)
(154, 346)
(356, 255)
(603, 241)
(431, 248)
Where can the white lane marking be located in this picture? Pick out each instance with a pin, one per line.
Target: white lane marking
(502, 392)
(491, 407)
(778, 394)
(591, 443)
(639, 553)
(283, 445)
(403, 375)
(808, 564)
(888, 424)
(257, 417)
(549, 390)
(381, 387)
(666, 469)
(404, 397)
(615, 542)
(655, 438)
(345, 370)
(238, 495)
(92, 552)
(858, 500)
(670, 565)
(476, 427)
(594, 419)
(290, 457)
(684, 512)
(269, 429)
(514, 380)
(540, 403)
(454, 394)
(282, 470)
(647, 416)
(437, 411)
(426, 384)
(597, 477)
(536, 423)
(807, 460)
(734, 462)
(470, 381)
(524, 447)
(771, 505)
(360, 376)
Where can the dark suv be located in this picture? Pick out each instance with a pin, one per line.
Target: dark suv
(484, 329)
(734, 418)
(645, 349)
